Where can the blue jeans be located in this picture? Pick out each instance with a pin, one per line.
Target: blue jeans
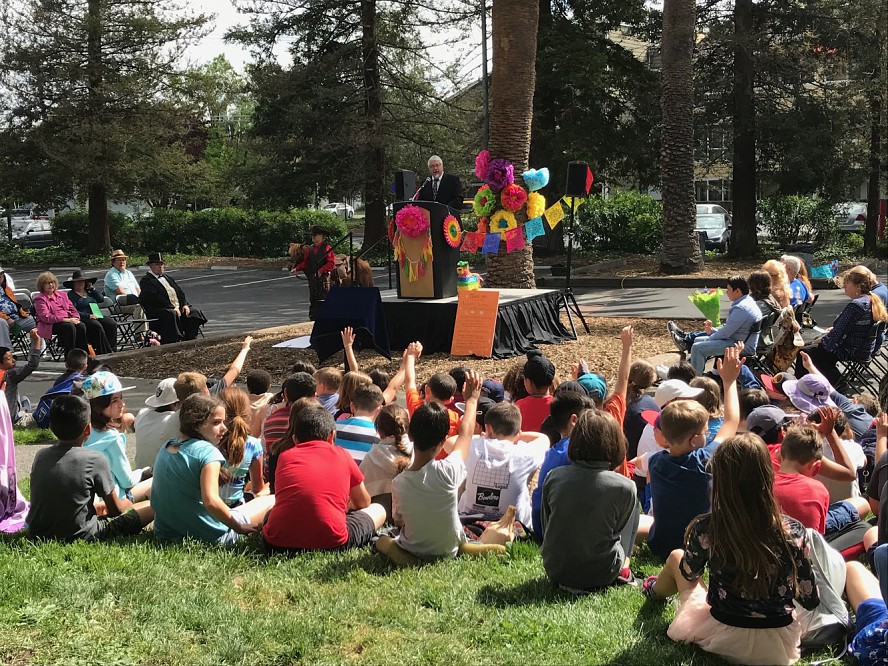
(703, 348)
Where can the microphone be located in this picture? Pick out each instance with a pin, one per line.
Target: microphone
(419, 189)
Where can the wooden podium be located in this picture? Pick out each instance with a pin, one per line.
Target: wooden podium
(439, 280)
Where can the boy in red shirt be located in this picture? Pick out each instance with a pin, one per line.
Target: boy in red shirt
(807, 499)
(539, 375)
(318, 263)
(322, 503)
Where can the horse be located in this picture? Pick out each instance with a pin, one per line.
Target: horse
(342, 274)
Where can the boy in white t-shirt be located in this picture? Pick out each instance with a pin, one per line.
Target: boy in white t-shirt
(424, 496)
(498, 466)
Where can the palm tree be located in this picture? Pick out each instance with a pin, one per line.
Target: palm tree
(681, 249)
(514, 32)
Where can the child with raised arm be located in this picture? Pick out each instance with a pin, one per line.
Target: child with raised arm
(440, 389)
(424, 496)
(757, 560)
(679, 477)
(66, 480)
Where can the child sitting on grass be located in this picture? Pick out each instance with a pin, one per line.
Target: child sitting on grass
(185, 496)
(108, 434)
(66, 479)
(389, 456)
(350, 381)
(258, 385)
(757, 560)
(328, 382)
(243, 453)
(539, 376)
(589, 513)
(565, 411)
(357, 433)
(322, 503)
(679, 477)
(424, 496)
(498, 464)
(440, 389)
(869, 645)
(807, 499)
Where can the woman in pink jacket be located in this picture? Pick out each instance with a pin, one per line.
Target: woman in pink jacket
(56, 315)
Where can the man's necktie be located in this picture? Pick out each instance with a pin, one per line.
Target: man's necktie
(435, 188)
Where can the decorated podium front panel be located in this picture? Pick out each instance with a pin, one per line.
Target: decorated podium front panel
(426, 237)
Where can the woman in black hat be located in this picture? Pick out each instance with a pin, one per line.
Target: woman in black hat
(101, 332)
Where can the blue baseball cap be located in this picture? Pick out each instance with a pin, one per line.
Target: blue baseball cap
(493, 390)
(594, 384)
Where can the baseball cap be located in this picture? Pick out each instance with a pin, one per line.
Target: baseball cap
(539, 369)
(762, 420)
(673, 389)
(594, 384)
(808, 393)
(493, 390)
(102, 383)
(651, 417)
(164, 395)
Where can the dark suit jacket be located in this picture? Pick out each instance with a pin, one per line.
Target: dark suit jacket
(450, 192)
(155, 297)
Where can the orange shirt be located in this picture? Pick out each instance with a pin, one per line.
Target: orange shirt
(616, 407)
(414, 401)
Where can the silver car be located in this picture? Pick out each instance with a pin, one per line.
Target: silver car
(340, 210)
(715, 222)
(851, 217)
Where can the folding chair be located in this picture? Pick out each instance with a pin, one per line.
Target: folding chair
(864, 375)
(803, 313)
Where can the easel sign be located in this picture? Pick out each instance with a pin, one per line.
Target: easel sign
(475, 323)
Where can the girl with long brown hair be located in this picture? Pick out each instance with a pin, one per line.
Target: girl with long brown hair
(243, 452)
(389, 456)
(757, 565)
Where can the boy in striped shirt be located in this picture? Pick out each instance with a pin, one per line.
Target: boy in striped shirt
(357, 434)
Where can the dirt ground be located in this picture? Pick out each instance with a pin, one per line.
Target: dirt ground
(601, 349)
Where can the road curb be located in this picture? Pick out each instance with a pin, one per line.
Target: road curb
(680, 282)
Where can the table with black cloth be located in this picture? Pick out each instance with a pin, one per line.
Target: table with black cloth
(526, 318)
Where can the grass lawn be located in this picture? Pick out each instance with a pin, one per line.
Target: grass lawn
(24, 436)
(138, 601)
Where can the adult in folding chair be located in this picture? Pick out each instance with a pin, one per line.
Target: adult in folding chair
(850, 338)
(122, 287)
(163, 300)
(12, 315)
(56, 315)
(101, 331)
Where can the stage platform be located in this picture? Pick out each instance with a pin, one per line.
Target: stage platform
(526, 317)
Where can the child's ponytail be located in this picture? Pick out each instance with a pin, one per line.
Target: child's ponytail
(394, 421)
(233, 444)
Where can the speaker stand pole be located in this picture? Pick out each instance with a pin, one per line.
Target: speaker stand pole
(567, 296)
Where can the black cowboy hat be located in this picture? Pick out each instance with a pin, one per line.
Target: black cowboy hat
(79, 275)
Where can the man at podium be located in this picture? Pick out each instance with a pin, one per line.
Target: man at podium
(442, 187)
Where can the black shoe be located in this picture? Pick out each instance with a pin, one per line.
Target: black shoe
(674, 329)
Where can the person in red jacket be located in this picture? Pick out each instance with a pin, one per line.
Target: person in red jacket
(318, 264)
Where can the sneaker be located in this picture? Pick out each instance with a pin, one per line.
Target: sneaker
(674, 328)
(647, 589)
(26, 404)
(680, 343)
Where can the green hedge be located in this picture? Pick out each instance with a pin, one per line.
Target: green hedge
(794, 219)
(234, 232)
(628, 222)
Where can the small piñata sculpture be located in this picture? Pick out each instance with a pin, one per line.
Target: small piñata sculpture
(465, 279)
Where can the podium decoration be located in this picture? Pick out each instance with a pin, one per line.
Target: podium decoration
(413, 238)
(426, 258)
(466, 280)
(452, 231)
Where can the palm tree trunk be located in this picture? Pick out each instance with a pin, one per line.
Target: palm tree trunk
(514, 30)
(681, 249)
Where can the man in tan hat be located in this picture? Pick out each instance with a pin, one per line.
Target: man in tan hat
(121, 286)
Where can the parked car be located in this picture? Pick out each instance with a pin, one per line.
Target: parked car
(851, 217)
(341, 210)
(34, 232)
(717, 227)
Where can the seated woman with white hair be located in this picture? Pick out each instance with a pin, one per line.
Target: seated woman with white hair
(799, 284)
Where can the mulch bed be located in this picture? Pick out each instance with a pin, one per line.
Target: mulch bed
(601, 349)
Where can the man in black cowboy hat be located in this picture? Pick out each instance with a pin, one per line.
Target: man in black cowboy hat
(318, 263)
(163, 300)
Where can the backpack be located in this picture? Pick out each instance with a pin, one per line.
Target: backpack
(41, 413)
(828, 624)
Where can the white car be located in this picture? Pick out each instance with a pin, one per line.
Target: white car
(851, 217)
(341, 210)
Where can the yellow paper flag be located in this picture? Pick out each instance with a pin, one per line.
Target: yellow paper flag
(554, 214)
(567, 201)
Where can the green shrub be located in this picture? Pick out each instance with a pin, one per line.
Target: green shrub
(844, 248)
(218, 231)
(626, 223)
(794, 219)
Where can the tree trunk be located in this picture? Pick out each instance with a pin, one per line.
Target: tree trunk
(876, 102)
(99, 241)
(681, 249)
(374, 185)
(744, 238)
(514, 31)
